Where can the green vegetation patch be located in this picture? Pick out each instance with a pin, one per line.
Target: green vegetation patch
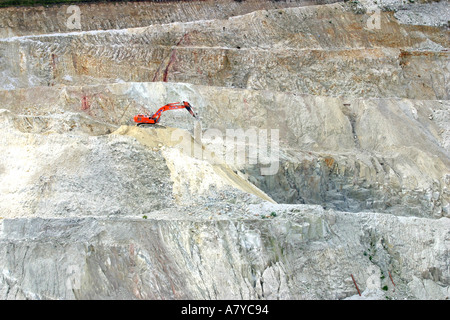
(28, 3)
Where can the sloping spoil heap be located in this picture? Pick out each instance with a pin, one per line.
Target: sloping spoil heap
(94, 207)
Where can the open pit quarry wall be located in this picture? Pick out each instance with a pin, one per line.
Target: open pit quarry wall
(93, 207)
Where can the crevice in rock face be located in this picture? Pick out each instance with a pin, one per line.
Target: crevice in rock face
(350, 187)
(94, 207)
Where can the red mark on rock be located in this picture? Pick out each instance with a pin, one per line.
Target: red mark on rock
(53, 62)
(354, 282)
(85, 103)
(172, 59)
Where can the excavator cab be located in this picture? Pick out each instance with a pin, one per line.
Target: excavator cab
(142, 119)
(189, 108)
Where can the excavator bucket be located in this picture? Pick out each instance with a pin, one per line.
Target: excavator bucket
(141, 119)
(190, 109)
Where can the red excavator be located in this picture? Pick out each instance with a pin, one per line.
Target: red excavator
(141, 119)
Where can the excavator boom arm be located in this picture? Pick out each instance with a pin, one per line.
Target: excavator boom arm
(173, 106)
(140, 119)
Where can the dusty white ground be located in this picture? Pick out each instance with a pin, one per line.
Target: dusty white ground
(93, 207)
